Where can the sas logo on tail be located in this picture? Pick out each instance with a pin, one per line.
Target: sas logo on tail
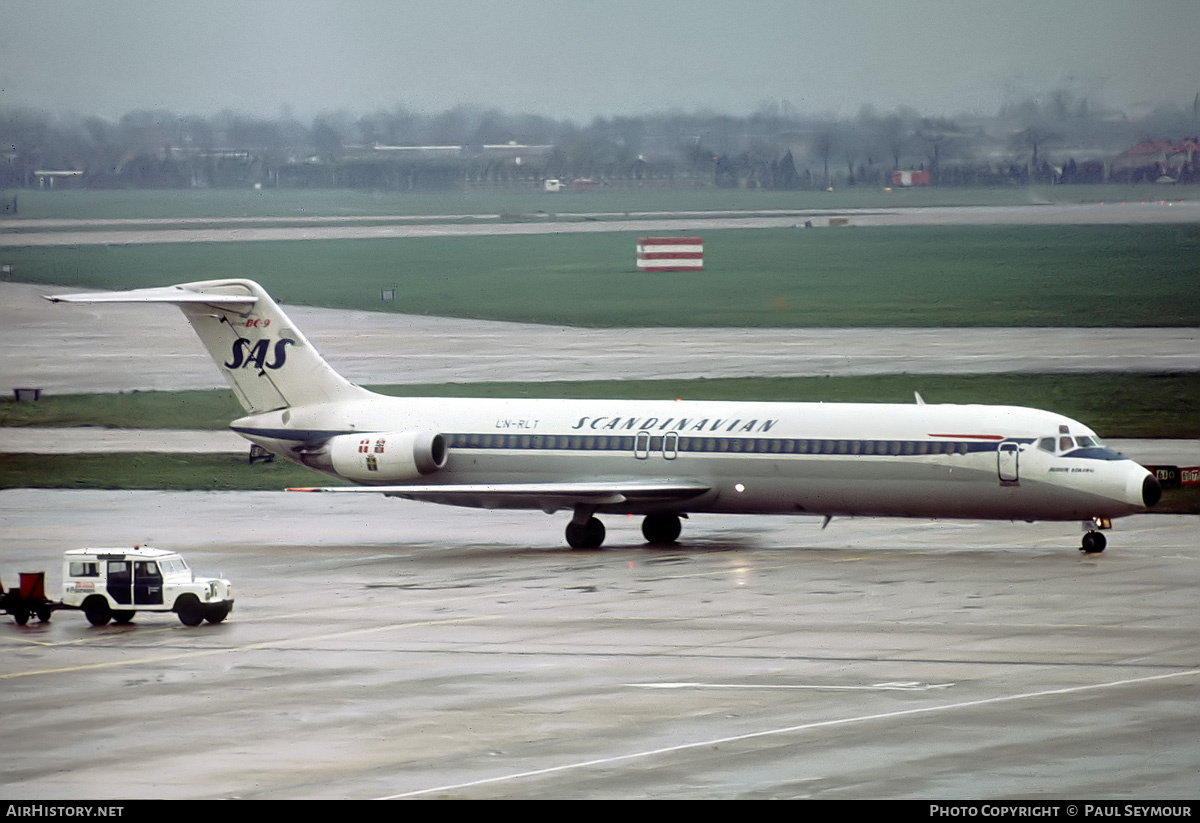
(246, 353)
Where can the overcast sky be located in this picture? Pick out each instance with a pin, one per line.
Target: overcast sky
(581, 58)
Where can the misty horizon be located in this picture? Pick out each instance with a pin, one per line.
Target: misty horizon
(581, 61)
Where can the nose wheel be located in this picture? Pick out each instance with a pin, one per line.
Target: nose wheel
(1093, 543)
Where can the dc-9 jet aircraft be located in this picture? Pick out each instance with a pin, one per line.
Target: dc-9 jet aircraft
(660, 459)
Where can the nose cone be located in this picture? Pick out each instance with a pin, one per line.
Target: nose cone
(1151, 491)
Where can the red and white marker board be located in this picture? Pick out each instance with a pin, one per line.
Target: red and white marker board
(670, 254)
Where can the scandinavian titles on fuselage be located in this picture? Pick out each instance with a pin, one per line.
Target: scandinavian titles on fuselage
(678, 424)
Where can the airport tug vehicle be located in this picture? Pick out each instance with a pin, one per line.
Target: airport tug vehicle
(116, 584)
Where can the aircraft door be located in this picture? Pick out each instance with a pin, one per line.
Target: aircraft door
(1008, 463)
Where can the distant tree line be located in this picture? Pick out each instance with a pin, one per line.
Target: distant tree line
(1056, 138)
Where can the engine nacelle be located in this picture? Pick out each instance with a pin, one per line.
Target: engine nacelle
(386, 457)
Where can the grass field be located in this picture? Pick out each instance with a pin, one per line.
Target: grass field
(218, 203)
(1115, 405)
(173, 472)
(902, 276)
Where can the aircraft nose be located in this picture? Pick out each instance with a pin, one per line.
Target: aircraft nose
(1151, 491)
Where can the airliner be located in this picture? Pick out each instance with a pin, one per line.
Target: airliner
(659, 459)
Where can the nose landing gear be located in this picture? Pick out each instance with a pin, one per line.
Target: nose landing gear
(1093, 541)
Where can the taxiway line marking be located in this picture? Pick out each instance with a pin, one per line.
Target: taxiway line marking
(266, 644)
(876, 687)
(820, 724)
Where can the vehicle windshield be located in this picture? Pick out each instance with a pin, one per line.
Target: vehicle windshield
(173, 565)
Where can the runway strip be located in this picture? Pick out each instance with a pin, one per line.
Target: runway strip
(17, 232)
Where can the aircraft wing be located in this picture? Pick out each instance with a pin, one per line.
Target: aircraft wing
(531, 495)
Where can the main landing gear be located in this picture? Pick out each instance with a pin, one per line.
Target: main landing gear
(1093, 541)
(586, 532)
(661, 529)
(586, 535)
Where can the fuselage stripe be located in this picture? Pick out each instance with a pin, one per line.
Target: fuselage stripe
(673, 443)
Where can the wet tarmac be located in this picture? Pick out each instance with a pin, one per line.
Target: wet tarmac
(383, 648)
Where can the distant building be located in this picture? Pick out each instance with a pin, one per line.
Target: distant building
(50, 179)
(1159, 158)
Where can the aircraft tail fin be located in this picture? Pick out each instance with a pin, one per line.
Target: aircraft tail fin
(267, 361)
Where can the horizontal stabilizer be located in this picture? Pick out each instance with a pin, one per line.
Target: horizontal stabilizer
(165, 294)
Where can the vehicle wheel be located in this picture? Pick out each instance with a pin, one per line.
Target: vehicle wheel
(217, 614)
(661, 529)
(191, 613)
(44, 613)
(20, 616)
(123, 615)
(97, 611)
(590, 535)
(1093, 543)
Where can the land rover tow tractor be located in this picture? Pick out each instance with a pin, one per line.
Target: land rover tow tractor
(116, 584)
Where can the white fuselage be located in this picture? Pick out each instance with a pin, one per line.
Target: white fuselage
(803, 458)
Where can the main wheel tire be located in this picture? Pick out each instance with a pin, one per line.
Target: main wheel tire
(217, 614)
(123, 615)
(589, 535)
(661, 529)
(190, 612)
(97, 611)
(1093, 543)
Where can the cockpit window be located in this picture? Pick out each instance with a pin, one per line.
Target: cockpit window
(1086, 442)
(1046, 444)
(1065, 443)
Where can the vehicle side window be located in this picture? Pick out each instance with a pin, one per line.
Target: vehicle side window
(146, 568)
(80, 569)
